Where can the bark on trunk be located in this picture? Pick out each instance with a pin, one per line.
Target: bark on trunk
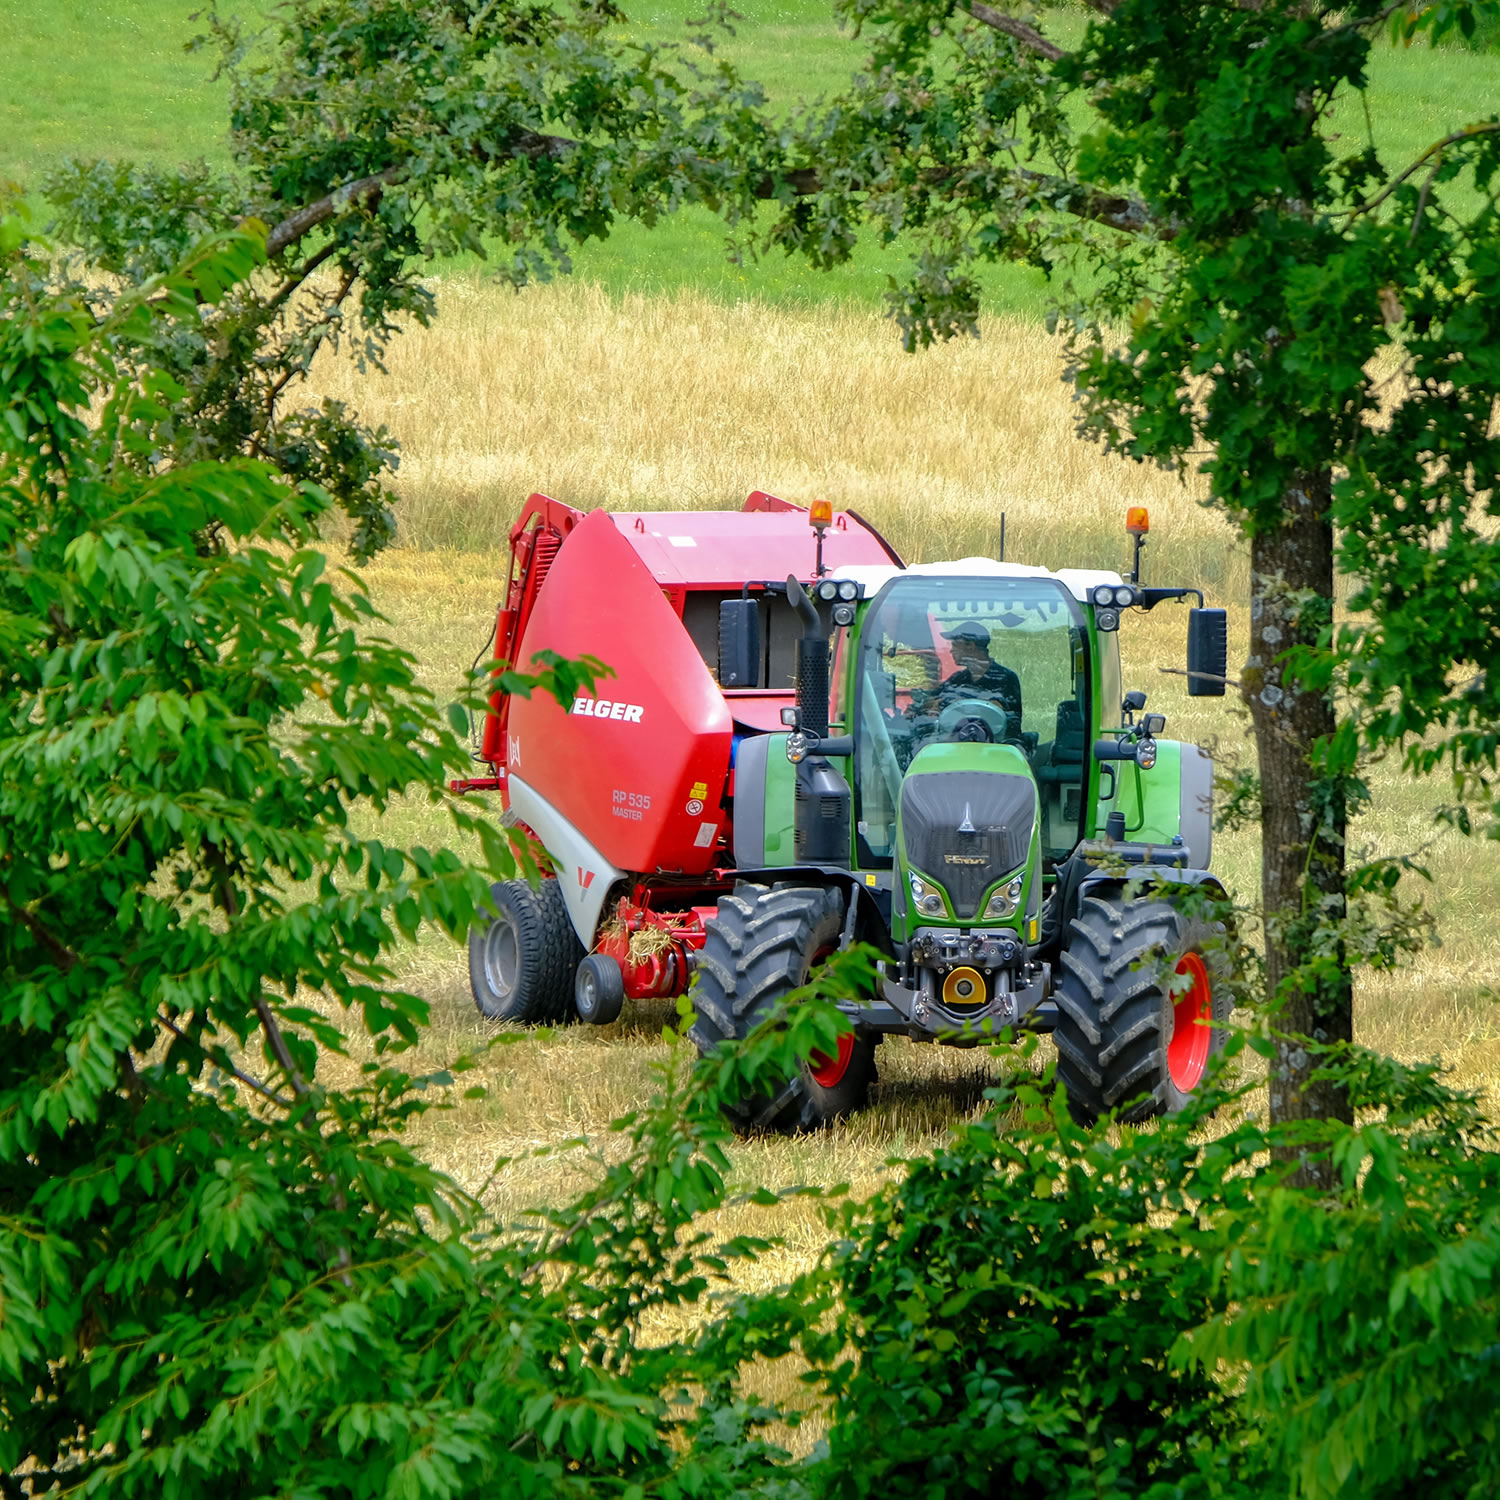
(1303, 816)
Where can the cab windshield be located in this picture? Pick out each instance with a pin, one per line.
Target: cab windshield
(971, 660)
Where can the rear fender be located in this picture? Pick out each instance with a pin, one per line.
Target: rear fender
(584, 876)
(1173, 800)
(1164, 879)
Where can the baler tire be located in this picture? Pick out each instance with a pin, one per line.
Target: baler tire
(1118, 1024)
(760, 947)
(598, 990)
(529, 933)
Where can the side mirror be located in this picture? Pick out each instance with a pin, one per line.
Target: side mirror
(739, 643)
(1207, 652)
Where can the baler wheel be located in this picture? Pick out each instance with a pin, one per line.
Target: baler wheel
(1125, 1041)
(760, 947)
(599, 990)
(523, 954)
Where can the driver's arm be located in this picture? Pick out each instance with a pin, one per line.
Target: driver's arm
(1008, 697)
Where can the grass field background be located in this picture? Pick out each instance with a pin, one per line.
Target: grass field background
(663, 377)
(112, 79)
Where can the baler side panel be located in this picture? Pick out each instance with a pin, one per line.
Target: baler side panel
(639, 766)
(584, 876)
(750, 801)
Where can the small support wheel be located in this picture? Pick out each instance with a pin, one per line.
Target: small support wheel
(598, 990)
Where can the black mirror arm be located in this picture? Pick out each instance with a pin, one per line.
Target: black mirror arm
(1150, 598)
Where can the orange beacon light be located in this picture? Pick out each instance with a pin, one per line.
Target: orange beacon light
(1137, 524)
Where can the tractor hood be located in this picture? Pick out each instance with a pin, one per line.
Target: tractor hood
(967, 818)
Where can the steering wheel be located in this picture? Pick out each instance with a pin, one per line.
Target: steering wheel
(994, 718)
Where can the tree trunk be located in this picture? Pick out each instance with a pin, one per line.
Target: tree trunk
(1303, 813)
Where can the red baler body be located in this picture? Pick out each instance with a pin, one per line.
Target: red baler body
(642, 766)
(639, 765)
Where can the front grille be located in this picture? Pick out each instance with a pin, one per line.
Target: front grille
(1000, 808)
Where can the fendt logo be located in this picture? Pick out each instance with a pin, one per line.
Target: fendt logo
(605, 708)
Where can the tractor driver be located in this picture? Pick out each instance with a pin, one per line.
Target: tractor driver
(976, 676)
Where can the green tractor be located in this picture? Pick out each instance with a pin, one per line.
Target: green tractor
(965, 784)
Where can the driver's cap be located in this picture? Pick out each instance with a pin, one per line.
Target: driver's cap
(968, 631)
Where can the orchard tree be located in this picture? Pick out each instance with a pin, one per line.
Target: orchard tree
(224, 1272)
(1313, 328)
(373, 137)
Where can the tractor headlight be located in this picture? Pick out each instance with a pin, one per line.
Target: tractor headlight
(1104, 594)
(925, 898)
(1005, 900)
(1107, 619)
(827, 589)
(848, 590)
(1124, 597)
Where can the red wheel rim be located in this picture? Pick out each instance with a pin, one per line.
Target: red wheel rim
(1187, 1052)
(827, 1071)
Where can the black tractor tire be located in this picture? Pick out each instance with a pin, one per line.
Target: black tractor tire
(760, 947)
(598, 990)
(1124, 1042)
(523, 954)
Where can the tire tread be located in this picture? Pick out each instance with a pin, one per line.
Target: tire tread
(548, 953)
(757, 950)
(1114, 1009)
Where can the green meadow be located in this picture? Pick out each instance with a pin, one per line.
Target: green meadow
(114, 80)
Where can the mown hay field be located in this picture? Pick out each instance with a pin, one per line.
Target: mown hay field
(682, 401)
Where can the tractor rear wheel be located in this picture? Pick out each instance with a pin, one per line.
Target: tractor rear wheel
(761, 946)
(523, 954)
(1141, 1000)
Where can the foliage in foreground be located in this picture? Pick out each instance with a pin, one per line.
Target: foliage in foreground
(1157, 1313)
(221, 1276)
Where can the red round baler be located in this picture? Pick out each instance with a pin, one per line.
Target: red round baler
(629, 789)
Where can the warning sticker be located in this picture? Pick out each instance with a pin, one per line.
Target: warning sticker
(706, 832)
(698, 789)
(694, 807)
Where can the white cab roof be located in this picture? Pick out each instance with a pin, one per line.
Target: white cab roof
(1077, 581)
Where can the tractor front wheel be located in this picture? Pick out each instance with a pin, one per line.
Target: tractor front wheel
(1141, 1001)
(761, 946)
(523, 954)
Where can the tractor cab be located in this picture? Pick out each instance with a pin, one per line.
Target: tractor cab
(988, 674)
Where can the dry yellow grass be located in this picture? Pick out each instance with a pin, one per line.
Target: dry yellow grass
(681, 402)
